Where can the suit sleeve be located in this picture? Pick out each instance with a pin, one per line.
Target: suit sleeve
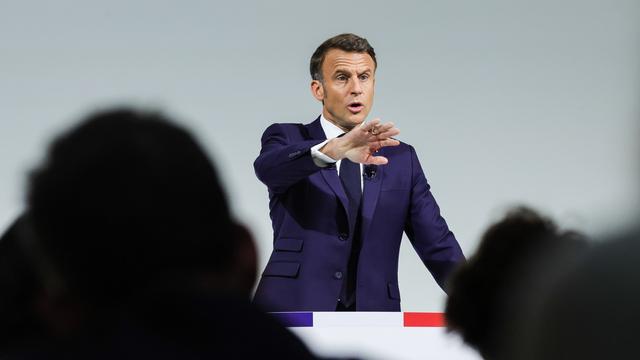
(282, 161)
(427, 230)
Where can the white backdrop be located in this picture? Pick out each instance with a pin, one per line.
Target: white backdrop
(506, 102)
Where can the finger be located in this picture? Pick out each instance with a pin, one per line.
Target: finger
(380, 128)
(384, 136)
(376, 160)
(370, 125)
(376, 146)
(383, 128)
(388, 142)
(389, 133)
(386, 126)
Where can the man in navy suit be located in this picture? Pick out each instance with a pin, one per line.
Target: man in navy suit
(341, 193)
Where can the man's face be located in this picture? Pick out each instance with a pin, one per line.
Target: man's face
(347, 87)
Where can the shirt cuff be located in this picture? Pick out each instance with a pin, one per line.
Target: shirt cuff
(320, 158)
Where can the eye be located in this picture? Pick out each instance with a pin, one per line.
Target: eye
(364, 77)
(341, 77)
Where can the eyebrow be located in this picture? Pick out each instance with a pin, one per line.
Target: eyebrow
(345, 71)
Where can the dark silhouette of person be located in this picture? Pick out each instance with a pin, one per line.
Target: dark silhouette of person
(491, 294)
(20, 324)
(130, 232)
(594, 312)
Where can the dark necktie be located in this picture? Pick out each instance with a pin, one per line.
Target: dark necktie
(350, 176)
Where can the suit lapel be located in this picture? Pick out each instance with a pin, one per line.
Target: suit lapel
(329, 173)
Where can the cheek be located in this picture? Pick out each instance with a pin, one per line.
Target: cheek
(334, 95)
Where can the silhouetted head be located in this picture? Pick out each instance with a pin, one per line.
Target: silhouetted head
(20, 290)
(490, 291)
(127, 200)
(594, 313)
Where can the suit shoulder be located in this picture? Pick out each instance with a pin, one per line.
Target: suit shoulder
(406, 147)
(287, 129)
(403, 148)
(284, 126)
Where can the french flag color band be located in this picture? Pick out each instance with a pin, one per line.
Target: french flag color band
(350, 319)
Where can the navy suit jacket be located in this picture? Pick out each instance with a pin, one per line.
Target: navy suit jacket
(311, 243)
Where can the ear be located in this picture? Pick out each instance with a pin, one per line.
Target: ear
(317, 90)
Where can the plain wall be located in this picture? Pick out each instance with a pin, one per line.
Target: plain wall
(506, 102)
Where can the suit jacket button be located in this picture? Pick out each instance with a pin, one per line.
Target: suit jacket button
(343, 236)
(338, 275)
(294, 154)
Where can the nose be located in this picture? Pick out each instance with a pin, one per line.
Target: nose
(356, 88)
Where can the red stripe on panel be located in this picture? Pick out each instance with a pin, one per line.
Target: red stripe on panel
(423, 319)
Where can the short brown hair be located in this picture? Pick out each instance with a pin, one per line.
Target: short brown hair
(344, 42)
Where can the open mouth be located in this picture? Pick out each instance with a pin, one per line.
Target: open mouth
(355, 107)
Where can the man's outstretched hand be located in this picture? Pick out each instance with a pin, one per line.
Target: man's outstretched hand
(361, 143)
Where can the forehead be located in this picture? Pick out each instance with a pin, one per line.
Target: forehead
(337, 59)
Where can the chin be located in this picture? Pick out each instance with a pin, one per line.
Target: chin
(351, 124)
(356, 121)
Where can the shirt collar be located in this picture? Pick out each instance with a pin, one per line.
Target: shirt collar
(330, 130)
